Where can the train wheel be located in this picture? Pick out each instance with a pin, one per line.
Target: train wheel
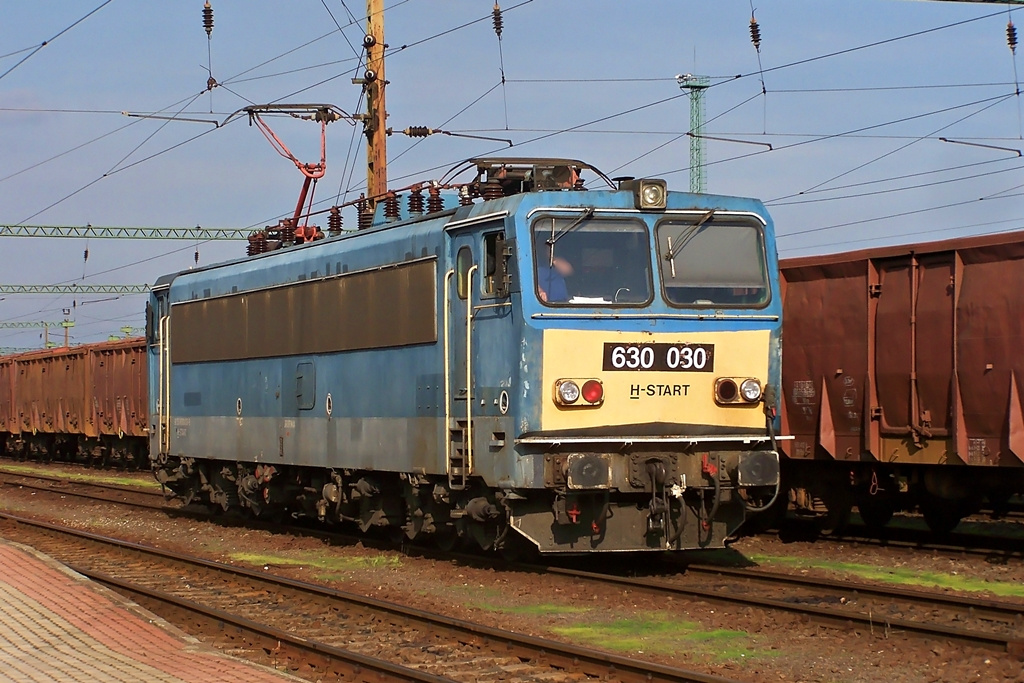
(514, 548)
(447, 538)
(836, 518)
(999, 502)
(941, 515)
(832, 509)
(876, 511)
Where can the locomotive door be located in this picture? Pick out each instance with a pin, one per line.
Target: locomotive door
(459, 292)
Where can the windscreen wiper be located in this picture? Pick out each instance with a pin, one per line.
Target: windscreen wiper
(685, 238)
(587, 213)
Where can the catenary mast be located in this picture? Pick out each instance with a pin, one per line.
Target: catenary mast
(375, 119)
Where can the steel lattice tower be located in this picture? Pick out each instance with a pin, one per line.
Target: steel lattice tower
(696, 85)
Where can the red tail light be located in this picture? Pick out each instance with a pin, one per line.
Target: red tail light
(593, 391)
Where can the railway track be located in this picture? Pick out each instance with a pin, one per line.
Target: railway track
(956, 543)
(872, 608)
(113, 493)
(331, 622)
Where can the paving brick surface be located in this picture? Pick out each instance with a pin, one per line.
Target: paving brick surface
(56, 625)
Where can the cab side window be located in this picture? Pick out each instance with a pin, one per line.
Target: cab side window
(463, 262)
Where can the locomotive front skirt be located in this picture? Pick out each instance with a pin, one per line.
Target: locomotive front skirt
(572, 370)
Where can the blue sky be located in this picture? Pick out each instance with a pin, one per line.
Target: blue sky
(855, 160)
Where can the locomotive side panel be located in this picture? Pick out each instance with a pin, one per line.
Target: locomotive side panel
(340, 371)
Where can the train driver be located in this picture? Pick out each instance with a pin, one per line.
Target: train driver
(551, 280)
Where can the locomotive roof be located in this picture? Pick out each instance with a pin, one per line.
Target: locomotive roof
(455, 216)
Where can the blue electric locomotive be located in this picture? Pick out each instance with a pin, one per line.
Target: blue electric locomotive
(583, 370)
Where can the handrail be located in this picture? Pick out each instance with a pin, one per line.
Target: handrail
(469, 370)
(165, 385)
(447, 377)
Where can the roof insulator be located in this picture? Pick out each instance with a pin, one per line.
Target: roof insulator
(755, 33)
(1011, 36)
(334, 221)
(499, 22)
(208, 18)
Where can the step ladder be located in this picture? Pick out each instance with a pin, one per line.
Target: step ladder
(458, 461)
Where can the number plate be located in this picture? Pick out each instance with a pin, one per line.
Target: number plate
(660, 357)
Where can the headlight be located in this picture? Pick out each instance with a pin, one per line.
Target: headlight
(653, 196)
(568, 391)
(751, 390)
(648, 193)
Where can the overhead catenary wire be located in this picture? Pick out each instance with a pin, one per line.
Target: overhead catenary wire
(901, 214)
(119, 170)
(356, 52)
(441, 34)
(866, 46)
(833, 136)
(908, 144)
(47, 42)
(682, 135)
(905, 188)
(483, 18)
(578, 131)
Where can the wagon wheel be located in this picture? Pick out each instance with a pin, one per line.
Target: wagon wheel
(941, 516)
(837, 514)
(876, 511)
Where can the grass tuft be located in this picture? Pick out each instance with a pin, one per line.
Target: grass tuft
(545, 609)
(900, 575)
(333, 566)
(29, 470)
(662, 634)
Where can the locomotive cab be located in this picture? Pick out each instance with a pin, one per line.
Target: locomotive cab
(630, 374)
(651, 344)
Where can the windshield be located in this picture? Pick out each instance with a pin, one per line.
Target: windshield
(585, 261)
(712, 263)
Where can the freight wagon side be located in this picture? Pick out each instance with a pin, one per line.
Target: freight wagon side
(118, 418)
(6, 401)
(81, 404)
(902, 380)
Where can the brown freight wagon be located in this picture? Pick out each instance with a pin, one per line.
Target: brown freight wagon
(85, 403)
(6, 399)
(902, 379)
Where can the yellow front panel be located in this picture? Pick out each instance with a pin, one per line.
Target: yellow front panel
(645, 396)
